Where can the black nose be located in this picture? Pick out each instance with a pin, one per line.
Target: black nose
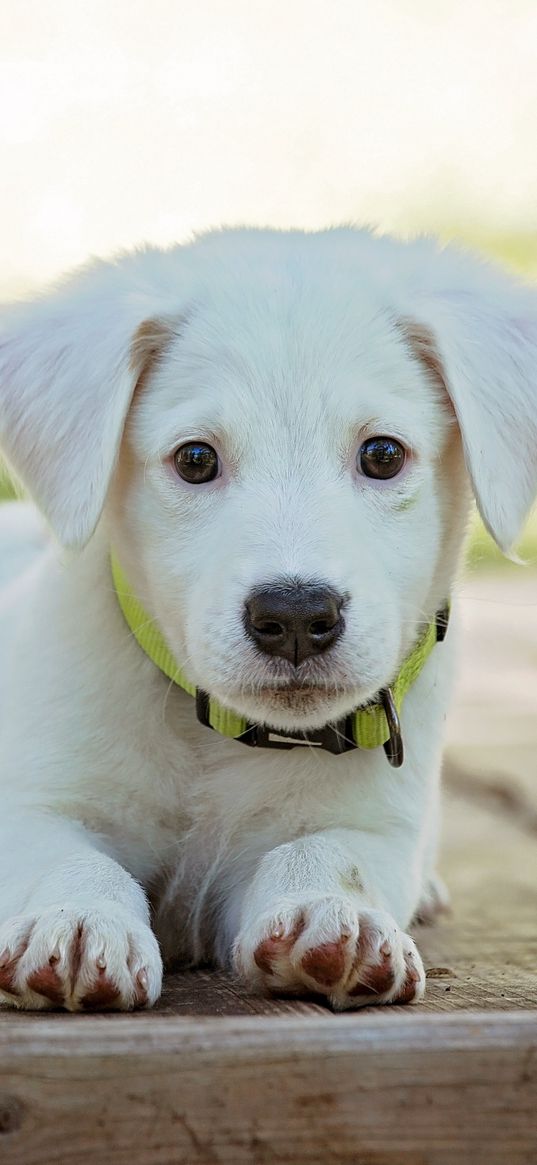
(295, 621)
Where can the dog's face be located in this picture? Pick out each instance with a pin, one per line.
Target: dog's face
(291, 488)
(285, 495)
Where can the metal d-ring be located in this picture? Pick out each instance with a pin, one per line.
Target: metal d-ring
(394, 746)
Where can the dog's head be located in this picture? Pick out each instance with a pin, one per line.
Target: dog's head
(281, 429)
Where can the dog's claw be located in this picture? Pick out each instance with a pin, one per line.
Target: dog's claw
(353, 956)
(87, 960)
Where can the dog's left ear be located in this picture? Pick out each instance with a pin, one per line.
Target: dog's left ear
(481, 343)
(69, 364)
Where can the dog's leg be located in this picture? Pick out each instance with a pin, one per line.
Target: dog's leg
(74, 925)
(320, 915)
(434, 901)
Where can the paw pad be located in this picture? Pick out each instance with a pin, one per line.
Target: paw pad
(46, 981)
(354, 961)
(325, 964)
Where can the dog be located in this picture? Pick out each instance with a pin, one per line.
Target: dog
(226, 658)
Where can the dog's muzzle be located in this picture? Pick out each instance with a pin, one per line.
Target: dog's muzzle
(373, 725)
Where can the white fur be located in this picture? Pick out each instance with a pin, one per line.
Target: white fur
(284, 350)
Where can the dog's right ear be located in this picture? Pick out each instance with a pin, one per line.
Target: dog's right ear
(474, 330)
(69, 364)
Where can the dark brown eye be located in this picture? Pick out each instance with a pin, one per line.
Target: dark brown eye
(381, 457)
(196, 462)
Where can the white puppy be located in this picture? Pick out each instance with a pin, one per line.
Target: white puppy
(270, 436)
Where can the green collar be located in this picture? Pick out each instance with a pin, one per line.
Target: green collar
(371, 726)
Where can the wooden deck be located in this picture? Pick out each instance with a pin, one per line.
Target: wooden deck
(214, 1075)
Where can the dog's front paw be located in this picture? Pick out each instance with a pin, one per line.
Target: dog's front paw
(354, 957)
(79, 959)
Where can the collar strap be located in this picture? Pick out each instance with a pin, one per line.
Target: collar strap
(373, 725)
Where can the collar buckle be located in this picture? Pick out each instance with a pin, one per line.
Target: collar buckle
(442, 621)
(394, 746)
(335, 738)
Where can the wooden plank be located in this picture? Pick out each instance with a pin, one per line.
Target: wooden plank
(214, 993)
(490, 941)
(426, 1090)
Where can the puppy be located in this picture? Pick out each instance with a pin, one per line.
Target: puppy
(225, 666)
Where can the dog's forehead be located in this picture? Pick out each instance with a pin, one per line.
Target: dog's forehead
(287, 343)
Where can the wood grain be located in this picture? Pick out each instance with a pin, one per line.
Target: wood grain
(420, 1090)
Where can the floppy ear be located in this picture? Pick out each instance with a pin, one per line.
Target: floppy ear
(69, 363)
(482, 344)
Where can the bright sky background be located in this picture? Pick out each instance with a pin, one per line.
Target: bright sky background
(131, 120)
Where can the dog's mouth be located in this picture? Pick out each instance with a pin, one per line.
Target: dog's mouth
(291, 703)
(291, 693)
(291, 698)
(290, 688)
(297, 697)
